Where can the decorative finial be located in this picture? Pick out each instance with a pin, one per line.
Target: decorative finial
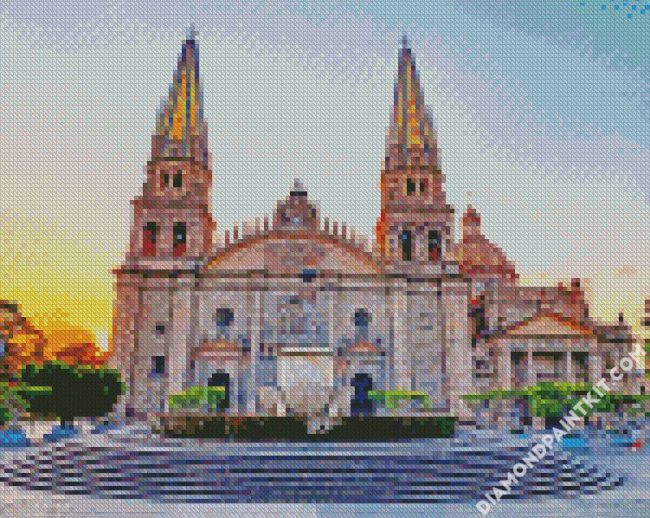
(405, 41)
(468, 196)
(191, 32)
(298, 186)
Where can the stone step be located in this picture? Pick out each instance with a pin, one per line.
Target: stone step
(291, 474)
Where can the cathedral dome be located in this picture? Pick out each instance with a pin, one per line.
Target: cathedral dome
(477, 256)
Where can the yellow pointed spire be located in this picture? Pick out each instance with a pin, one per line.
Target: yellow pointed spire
(411, 132)
(181, 130)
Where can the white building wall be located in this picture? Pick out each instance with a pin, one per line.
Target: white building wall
(423, 335)
(149, 389)
(125, 324)
(425, 339)
(458, 348)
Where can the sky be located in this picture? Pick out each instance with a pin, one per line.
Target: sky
(542, 111)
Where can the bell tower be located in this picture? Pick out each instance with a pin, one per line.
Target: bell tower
(415, 224)
(172, 220)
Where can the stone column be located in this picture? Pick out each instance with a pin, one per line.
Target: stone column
(458, 346)
(529, 366)
(189, 378)
(177, 350)
(338, 381)
(331, 333)
(595, 361)
(569, 367)
(504, 366)
(125, 329)
(255, 337)
(390, 344)
(235, 372)
(401, 359)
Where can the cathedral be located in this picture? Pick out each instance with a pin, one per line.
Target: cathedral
(298, 314)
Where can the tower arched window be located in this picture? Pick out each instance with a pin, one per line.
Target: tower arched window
(178, 179)
(410, 186)
(149, 237)
(434, 246)
(179, 239)
(406, 245)
(361, 324)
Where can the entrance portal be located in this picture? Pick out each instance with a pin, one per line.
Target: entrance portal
(221, 379)
(360, 403)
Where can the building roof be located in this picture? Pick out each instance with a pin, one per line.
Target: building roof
(476, 255)
(295, 243)
(411, 133)
(293, 250)
(181, 130)
(548, 323)
(618, 332)
(545, 324)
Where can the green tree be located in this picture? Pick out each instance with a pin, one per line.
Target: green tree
(14, 399)
(10, 403)
(76, 391)
(556, 399)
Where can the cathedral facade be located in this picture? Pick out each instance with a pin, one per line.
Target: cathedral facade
(297, 313)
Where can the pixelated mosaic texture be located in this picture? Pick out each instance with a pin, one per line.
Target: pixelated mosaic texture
(296, 357)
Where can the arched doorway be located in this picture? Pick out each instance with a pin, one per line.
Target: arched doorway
(360, 403)
(221, 379)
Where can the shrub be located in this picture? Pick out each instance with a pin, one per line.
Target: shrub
(196, 397)
(76, 391)
(391, 398)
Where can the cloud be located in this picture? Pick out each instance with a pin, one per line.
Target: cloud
(308, 94)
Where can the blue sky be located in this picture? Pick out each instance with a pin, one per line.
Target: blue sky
(542, 110)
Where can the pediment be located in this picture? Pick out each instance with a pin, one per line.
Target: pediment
(364, 347)
(549, 325)
(293, 253)
(216, 348)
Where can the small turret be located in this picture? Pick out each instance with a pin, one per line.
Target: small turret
(478, 257)
(471, 224)
(296, 212)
